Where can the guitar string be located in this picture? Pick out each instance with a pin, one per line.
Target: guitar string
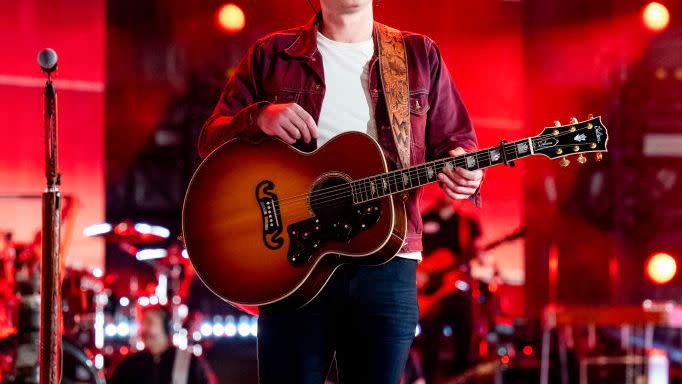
(338, 201)
(325, 203)
(484, 152)
(395, 176)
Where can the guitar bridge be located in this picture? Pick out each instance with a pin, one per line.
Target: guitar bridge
(272, 220)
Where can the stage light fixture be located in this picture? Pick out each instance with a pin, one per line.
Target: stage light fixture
(656, 16)
(230, 18)
(661, 268)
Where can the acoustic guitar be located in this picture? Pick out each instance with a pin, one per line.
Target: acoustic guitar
(266, 224)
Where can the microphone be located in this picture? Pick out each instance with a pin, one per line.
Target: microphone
(47, 59)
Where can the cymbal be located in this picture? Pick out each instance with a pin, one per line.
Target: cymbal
(128, 232)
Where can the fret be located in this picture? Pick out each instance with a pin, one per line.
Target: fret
(352, 193)
(394, 182)
(480, 158)
(415, 175)
(421, 174)
(489, 160)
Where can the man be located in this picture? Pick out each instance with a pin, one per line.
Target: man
(304, 86)
(160, 362)
(451, 238)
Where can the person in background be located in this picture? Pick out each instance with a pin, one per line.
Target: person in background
(451, 240)
(160, 362)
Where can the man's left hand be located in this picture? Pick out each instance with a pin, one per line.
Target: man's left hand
(459, 183)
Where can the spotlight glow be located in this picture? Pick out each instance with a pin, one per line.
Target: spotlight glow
(661, 268)
(206, 329)
(656, 16)
(110, 330)
(218, 329)
(230, 18)
(123, 329)
(99, 361)
(97, 229)
(151, 254)
(143, 301)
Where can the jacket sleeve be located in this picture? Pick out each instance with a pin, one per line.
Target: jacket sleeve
(448, 125)
(238, 107)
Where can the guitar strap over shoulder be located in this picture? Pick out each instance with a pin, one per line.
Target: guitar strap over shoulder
(393, 71)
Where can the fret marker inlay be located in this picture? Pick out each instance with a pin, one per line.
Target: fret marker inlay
(429, 172)
(494, 155)
(522, 147)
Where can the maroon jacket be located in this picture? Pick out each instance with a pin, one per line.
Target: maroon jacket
(286, 67)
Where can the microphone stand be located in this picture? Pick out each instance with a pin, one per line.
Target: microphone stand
(50, 348)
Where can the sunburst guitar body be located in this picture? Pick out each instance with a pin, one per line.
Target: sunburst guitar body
(265, 223)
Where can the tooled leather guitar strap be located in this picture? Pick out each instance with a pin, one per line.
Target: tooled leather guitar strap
(393, 71)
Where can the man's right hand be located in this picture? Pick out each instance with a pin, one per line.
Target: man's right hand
(288, 121)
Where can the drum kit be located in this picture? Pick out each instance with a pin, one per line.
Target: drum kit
(100, 319)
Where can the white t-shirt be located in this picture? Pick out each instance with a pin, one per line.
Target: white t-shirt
(347, 103)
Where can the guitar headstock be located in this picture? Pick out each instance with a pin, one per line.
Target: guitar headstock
(576, 138)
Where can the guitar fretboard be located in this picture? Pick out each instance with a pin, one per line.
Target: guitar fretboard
(402, 180)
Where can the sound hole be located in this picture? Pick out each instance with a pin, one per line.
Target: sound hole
(331, 197)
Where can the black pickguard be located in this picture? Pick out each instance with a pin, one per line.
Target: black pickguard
(336, 219)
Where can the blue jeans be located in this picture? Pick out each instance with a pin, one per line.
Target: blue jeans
(365, 316)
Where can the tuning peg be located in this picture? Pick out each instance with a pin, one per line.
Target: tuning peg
(598, 156)
(582, 159)
(557, 123)
(590, 116)
(564, 162)
(573, 120)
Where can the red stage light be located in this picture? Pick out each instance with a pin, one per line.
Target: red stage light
(230, 18)
(527, 350)
(661, 268)
(505, 359)
(656, 16)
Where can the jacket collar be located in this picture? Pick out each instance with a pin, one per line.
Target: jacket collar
(305, 45)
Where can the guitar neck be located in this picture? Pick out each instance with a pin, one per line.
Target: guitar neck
(403, 180)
